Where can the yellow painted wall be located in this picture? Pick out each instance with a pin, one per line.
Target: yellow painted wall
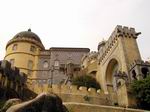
(131, 50)
(22, 55)
(92, 66)
(22, 47)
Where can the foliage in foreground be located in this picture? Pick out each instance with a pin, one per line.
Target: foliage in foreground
(2, 102)
(141, 90)
(87, 81)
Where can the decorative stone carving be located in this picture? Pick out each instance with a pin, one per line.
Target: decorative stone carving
(120, 78)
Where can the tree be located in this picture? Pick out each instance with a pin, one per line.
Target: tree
(141, 90)
(87, 81)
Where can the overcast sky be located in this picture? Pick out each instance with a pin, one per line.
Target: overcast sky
(74, 23)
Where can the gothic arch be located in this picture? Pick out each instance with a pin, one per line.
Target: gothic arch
(113, 66)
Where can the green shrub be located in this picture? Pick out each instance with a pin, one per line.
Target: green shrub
(141, 90)
(87, 81)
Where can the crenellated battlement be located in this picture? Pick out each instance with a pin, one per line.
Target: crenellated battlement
(12, 73)
(76, 90)
(12, 79)
(126, 31)
(120, 31)
(69, 89)
(92, 56)
(72, 93)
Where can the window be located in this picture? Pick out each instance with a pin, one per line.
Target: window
(56, 63)
(30, 67)
(134, 76)
(145, 72)
(14, 48)
(32, 48)
(30, 64)
(12, 61)
(45, 64)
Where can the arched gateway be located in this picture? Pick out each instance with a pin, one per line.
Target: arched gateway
(112, 69)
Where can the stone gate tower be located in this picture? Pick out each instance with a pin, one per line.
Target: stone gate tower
(119, 51)
(116, 63)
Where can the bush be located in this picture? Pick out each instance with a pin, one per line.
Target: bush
(141, 90)
(87, 81)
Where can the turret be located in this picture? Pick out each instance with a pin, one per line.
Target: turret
(22, 51)
(101, 44)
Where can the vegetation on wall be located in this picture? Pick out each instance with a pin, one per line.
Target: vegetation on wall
(86, 80)
(141, 90)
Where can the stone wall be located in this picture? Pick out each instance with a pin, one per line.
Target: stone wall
(80, 107)
(57, 59)
(76, 94)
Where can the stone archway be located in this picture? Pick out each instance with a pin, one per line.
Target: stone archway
(112, 69)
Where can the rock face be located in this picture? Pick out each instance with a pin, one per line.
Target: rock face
(42, 103)
(10, 103)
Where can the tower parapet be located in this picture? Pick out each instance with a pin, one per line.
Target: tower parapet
(120, 31)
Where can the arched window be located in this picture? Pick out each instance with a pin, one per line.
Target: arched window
(30, 67)
(14, 48)
(32, 48)
(145, 72)
(134, 75)
(45, 64)
(30, 64)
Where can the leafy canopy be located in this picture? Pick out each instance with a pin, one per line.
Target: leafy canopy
(141, 90)
(87, 81)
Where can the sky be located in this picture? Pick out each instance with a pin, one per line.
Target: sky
(74, 23)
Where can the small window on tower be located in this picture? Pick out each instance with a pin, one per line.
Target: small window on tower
(14, 48)
(30, 64)
(30, 67)
(32, 48)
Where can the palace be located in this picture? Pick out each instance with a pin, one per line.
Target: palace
(26, 51)
(115, 65)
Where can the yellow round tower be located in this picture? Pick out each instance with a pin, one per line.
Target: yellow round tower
(23, 50)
